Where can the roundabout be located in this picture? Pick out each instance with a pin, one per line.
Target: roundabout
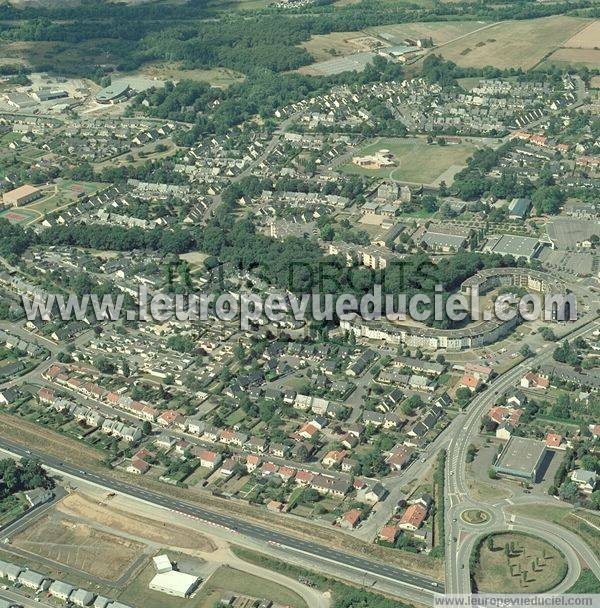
(475, 517)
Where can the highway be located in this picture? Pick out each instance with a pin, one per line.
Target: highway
(317, 552)
(461, 536)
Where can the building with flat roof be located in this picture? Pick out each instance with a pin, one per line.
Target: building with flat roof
(525, 247)
(21, 196)
(521, 458)
(178, 584)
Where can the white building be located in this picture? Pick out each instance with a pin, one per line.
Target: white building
(178, 584)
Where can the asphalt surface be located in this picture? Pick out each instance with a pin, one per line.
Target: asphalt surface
(315, 550)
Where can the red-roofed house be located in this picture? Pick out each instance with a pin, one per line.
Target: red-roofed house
(168, 418)
(138, 467)
(470, 381)
(304, 478)
(252, 462)
(209, 459)
(554, 441)
(350, 519)
(308, 431)
(533, 380)
(413, 517)
(389, 534)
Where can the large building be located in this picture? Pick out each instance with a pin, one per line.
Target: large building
(115, 93)
(521, 458)
(525, 247)
(21, 196)
(178, 584)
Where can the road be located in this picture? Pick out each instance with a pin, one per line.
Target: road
(461, 536)
(401, 579)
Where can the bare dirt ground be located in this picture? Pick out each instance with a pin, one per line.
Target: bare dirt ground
(79, 505)
(79, 546)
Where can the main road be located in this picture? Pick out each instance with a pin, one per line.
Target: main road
(461, 536)
(402, 580)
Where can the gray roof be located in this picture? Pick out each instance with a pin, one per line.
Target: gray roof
(517, 246)
(521, 455)
(82, 597)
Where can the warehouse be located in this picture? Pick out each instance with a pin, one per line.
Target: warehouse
(21, 196)
(174, 583)
(522, 458)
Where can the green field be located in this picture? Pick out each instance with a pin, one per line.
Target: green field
(416, 161)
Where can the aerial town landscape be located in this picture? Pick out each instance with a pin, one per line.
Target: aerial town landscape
(305, 152)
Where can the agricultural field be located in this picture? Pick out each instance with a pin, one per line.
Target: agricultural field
(518, 563)
(513, 43)
(79, 546)
(587, 38)
(416, 161)
(575, 57)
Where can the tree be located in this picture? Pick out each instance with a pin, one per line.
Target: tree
(146, 428)
(526, 351)
(568, 491)
(548, 199)
(463, 395)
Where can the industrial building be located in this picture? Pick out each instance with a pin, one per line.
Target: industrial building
(522, 458)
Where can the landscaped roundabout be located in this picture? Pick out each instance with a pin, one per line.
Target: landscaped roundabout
(475, 517)
(515, 562)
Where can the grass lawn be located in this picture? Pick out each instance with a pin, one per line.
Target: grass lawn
(531, 566)
(416, 161)
(586, 583)
(235, 417)
(236, 581)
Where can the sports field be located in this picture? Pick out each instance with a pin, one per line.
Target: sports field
(19, 216)
(513, 43)
(416, 161)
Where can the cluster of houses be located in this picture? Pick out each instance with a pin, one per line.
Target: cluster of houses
(493, 106)
(60, 590)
